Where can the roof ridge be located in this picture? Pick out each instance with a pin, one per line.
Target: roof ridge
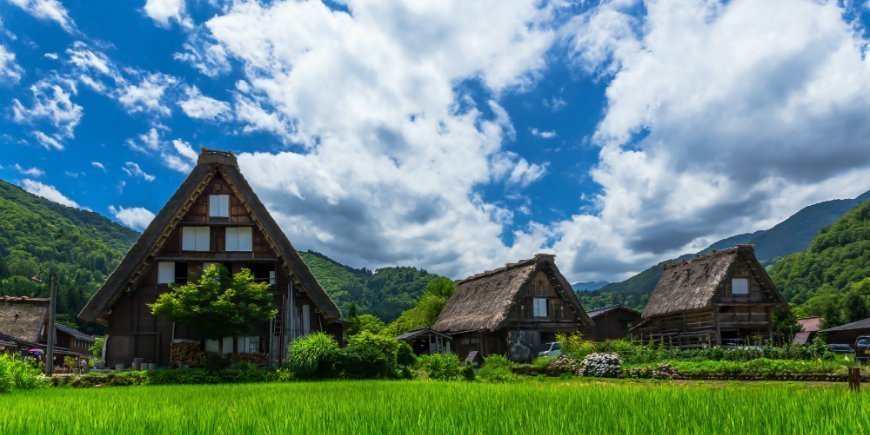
(23, 299)
(705, 256)
(506, 267)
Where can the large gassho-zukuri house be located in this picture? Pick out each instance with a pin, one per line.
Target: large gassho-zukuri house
(214, 217)
(512, 310)
(724, 297)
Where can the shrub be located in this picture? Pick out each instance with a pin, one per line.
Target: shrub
(467, 372)
(497, 361)
(215, 362)
(566, 364)
(19, 375)
(542, 363)
(368, 355)
(313, 355)
(439, 366)
(601, 365)
(496, 368)
(659, 371)
(575, 345)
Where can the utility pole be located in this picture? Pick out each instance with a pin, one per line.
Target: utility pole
(52, 307)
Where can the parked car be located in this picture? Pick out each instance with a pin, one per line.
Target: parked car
(840, 348)
(862, 347)
(552, 349)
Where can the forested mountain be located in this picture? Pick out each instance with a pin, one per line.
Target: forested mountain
(832, 277)
(38, 237)
(789, 236)
(589, 285)
(385, 293)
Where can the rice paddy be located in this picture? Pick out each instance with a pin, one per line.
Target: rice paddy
(379, 407)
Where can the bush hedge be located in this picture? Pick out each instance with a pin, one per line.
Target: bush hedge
(16, 374)
(313, 355)
(439, 366)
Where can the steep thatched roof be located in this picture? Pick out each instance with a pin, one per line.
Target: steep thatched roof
(692, 284)
(139, 257)
(23, 318)
(484, 301)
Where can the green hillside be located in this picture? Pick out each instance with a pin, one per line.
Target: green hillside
(832, 277)
(789, 236)
(385, 293)
(38, 237)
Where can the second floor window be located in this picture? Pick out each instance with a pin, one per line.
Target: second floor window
(540, 307)
(739, 286)
(195, 239)
(239, 239)
(219, 206)
(165, 272)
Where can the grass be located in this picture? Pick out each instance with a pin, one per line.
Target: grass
(369, 407)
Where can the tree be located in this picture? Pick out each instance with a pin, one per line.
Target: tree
(366, 323)
(218, 305)
(440, 286)
(422, 315)
(856, 306)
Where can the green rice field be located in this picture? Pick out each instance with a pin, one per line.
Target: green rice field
(386, 407)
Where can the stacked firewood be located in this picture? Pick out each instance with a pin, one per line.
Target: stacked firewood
(253, 358)
(188, 353)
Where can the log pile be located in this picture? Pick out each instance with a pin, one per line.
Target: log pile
(259, 359)
(188, 353)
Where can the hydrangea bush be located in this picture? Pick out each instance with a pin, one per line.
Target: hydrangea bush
(566, 364)
(658, 371)
(601, 365)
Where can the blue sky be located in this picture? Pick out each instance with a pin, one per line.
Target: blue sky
(454, 136)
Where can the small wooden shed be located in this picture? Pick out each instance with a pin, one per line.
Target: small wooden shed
(427, 341)
(611, 323)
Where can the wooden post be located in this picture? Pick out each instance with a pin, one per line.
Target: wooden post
(52, 307)
(854, 378)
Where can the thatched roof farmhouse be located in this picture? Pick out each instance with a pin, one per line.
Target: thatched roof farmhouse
(512, 310)
(725, 296)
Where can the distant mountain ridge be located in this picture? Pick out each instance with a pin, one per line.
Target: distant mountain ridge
(787, 237)
(588, 285)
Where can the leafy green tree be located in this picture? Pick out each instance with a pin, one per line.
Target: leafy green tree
(857, 304)
(366, 323)
(422, 315)
(440, 286)
(217, 304)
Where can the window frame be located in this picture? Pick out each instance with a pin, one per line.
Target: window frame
(222, 206)
(234, 234)
(543, 303)
(742, 280)
(196, 232)
(162, 268)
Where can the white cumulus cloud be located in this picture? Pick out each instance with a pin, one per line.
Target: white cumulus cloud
(163, 12)
(136, 218)
(49, 10)
(10, 71)
(48, 192)
(198, 106)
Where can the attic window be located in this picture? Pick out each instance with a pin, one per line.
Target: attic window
(739, 286)
(219, 206)
(540, 307)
